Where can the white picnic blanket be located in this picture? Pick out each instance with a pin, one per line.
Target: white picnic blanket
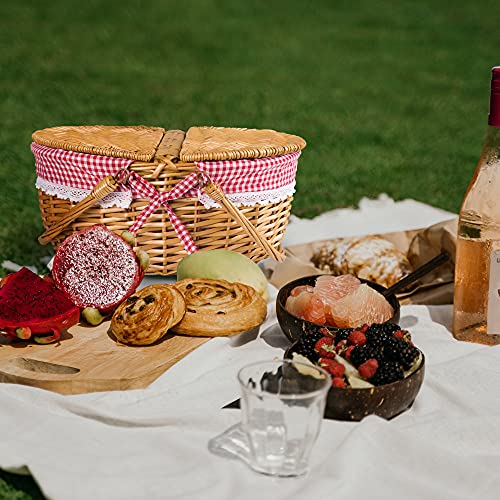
(152, 443)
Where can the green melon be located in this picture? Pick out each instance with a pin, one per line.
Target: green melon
(223, 265)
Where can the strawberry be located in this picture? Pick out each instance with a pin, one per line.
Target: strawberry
(325, 347)
(368, 368)
(356, 337)
(338, 382)
(331, 366)
(363, 328)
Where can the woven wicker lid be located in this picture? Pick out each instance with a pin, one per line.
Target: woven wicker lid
(136, 143)
(218, 143)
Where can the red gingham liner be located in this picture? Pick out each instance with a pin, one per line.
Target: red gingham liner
(239, 176)
(84, 171)
(77, 170)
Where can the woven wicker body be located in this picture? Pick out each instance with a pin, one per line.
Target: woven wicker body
(210, 228)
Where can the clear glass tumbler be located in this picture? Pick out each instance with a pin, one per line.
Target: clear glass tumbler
(282, 405)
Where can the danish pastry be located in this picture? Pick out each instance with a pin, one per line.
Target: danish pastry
(369, 257)
(148, 314)
(216, 308)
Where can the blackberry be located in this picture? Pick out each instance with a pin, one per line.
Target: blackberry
(388, 327)
(363, 353)
(387, 372)
(375, 338)
(342, 334)
(378, 333)
(306, 343)
(400, 351)
(313, 329)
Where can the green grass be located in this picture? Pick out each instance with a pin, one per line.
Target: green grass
(18, 487)
(392, 96)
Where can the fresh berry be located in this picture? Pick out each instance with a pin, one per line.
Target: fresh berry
(388, 372)
(356, 337)
(401, 351)
(348, 352)
(316, 330)
(399, 334)
(368, 369)
(306, 343)
(388, 327)
(375, 335)
(342, 334)
(363, 353)
(325, 347)
(338, 382)
(333, 367)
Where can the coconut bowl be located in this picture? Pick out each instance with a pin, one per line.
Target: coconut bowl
(386, 401)
(293, 327)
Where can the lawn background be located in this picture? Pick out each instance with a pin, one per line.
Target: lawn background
(391, 96)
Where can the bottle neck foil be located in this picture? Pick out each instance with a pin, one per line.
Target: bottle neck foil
(494, 116)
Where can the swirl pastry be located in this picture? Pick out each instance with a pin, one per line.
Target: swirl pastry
(369, 257)
(216, 308)
(146, 315)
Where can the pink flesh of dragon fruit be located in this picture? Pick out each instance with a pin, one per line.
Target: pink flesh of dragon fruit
(30, 302)
(96, 268)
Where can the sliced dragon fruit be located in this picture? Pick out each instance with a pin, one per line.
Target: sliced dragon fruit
(97, 268)
(31, 305)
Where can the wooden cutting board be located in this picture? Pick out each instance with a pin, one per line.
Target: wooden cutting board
(88, 359)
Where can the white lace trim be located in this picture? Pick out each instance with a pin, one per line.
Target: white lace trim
(252, 198)
(123, 199)
(120, 199)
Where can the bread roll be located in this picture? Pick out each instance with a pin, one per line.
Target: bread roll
(147, 315)
(217, 308)
(371, 258)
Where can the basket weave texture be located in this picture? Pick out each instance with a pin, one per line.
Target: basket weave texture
(211, 143)
(135, 143)
(210, 228)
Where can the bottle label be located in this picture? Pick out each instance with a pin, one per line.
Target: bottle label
(493, 319)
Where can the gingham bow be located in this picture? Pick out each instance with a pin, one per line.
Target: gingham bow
(189, 183)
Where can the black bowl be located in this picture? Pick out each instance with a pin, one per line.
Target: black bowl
(293, 327)
(386, 401)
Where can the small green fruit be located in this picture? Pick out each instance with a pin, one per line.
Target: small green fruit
(48, 339)
(143, 259)
(92, 316)
(128, 237)
(23, 333)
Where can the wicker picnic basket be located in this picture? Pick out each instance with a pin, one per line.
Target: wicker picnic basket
(161, 161)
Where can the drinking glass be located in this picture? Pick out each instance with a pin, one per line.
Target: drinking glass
(282, 406)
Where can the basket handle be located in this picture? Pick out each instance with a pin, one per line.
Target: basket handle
(168, 151)
(106, 186)
(217, 194)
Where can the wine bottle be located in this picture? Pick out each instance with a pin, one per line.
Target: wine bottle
(476, 311)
